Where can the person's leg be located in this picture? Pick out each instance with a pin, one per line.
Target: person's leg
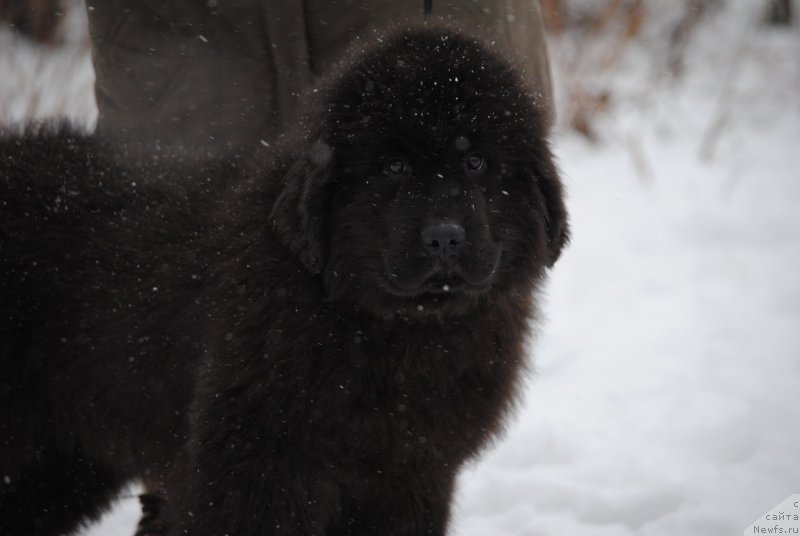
(196, 76)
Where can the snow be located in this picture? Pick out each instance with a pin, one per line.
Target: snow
(40, 82)
(666, 391)
(666, 395)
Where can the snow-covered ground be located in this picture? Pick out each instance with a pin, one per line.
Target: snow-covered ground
(666, 393)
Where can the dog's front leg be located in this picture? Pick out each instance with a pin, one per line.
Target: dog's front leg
(242, 482)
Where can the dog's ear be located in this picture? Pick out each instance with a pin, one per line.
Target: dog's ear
(555, 218)
(300, 211)
(556, 223)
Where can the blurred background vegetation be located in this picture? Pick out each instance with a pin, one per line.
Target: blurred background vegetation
(592, 38)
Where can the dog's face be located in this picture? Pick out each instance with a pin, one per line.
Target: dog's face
(429, 186)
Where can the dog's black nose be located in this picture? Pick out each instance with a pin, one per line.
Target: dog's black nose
(443, 239)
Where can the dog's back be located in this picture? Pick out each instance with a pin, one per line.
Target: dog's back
(92, 272)
(42, 177)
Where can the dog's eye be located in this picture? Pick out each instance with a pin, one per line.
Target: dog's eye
(396, 166)
(475, 162)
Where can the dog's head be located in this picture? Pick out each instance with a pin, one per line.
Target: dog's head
(429, 184)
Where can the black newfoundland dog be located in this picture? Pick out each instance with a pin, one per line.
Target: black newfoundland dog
(309, 341)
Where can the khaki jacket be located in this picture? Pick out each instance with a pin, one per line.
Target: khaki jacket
(208, 75)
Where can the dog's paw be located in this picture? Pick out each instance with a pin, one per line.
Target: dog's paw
(151, 523)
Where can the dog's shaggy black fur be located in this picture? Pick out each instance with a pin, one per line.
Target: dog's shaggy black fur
(310, 342)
